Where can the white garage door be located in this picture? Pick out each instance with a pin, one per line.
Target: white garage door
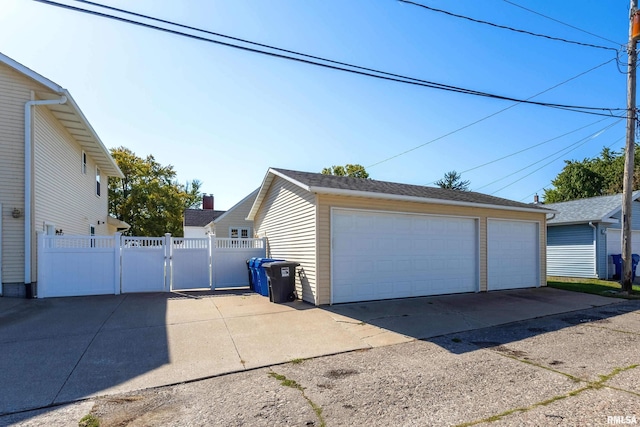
(379, 255)
(513, 255)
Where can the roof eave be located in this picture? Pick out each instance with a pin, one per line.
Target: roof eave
(108, 164)
(399, 197)
(586, 221)
(266, 182)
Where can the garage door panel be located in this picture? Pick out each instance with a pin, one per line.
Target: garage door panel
(413, 255)
(513, 256)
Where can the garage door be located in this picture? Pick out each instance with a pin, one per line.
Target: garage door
(513, 255)
(379, 255)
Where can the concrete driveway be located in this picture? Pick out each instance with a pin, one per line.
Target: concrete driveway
(67, 349)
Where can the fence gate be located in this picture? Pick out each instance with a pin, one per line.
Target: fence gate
(143, 264)
(92, 265)
(190, 264)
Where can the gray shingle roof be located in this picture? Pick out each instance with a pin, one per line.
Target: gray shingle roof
(585, 210)
(200, 217)
(318, 180)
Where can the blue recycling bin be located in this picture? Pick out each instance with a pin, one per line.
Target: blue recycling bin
(260, 283)
(617, 262)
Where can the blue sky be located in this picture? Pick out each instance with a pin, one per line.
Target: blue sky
(224, 116)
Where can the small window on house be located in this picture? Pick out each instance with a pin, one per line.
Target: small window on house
(84, 163)
(242, 233)
(92, 232)
(97, 181)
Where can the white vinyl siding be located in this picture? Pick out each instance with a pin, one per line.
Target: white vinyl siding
(287, 218)
(571, 251)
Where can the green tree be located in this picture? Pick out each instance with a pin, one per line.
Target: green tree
(149, 198)
(355, 171)
(598, 176)
(576, 181)
(453, 181)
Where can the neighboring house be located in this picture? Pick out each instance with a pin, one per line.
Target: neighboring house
(234, 223)
(360, 239)
(53, 172)
(195, 220)
(584, 233)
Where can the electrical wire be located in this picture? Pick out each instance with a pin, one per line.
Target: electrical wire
(530, 147)
(504, 27)
(561, 152)
(405, 80)
(487, 117)
(544, 188)
(563, 23)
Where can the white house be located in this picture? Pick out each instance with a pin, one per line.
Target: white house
(226, 224)
(53, 172)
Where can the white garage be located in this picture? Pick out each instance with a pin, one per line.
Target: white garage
(513, 254)
(359, 239)
(382, 255)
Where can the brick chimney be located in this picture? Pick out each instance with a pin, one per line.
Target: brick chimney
(207, 202)
(536, 199)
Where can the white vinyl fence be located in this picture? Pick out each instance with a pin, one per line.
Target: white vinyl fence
(93, 265)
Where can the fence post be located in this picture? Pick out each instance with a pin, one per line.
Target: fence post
(168, 254)
(117, 260)
(210, 250)
(41, 278)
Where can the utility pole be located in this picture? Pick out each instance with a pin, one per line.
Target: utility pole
(630, 149)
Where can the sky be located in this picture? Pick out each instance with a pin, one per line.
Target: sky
(224, 115)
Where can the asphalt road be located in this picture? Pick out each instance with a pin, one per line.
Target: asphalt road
(574, 369)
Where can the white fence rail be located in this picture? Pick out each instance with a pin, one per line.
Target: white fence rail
(95, 265)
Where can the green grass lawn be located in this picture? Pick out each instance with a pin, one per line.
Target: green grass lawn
(603, 288)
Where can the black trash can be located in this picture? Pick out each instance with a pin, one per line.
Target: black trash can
(281, 276)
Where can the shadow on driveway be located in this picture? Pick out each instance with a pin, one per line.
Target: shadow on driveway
(62, 349)
(427, 318)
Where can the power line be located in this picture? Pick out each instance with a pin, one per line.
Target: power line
(543, 188)
(504, 27)
(531, 147)
(562, 152)
(488, 117)
(561, 22)
(401, 79)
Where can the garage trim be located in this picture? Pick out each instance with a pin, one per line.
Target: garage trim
(477, 248)
(537, 251)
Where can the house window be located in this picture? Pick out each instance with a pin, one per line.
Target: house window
(97, 181)
(242, 233)
(84, 163)
(92, 232)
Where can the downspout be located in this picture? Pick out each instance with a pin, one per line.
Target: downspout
(595, 249)
(27, 180)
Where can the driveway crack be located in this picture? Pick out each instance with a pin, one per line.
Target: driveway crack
(592, 385)
(242, 361)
